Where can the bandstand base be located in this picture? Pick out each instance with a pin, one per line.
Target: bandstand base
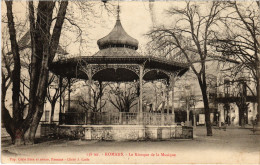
(125, 132)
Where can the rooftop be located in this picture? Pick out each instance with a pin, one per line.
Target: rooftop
(118, 38)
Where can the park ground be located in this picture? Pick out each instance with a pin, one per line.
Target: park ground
(231, 146)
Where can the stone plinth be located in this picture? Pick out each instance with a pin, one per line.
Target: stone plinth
(125, 132)
(114, 132)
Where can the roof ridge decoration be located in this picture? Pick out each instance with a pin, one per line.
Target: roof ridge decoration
(118, 13)
(118, 37)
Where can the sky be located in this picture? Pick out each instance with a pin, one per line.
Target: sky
(135, 17)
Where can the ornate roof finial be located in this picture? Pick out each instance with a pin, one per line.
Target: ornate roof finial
(118, 12)
(118, 37)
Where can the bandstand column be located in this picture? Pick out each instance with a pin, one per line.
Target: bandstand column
(141, 94)
(89, 73)
(162, 109)
(60, 86)
(168, 106)
(172, 84)
(69, 94)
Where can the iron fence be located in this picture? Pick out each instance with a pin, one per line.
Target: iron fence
(116, 118)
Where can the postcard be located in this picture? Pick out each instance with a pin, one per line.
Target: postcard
(130, 82)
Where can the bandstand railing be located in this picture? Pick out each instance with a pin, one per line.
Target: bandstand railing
(116, 118)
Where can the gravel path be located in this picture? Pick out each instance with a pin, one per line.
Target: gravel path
(236, 146)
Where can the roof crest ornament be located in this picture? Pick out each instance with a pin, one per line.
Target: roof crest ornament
(118, 12)
(117, 37)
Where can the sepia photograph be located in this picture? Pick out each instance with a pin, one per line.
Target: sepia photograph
(130, 82)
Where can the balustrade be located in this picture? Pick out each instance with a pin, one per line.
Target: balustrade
(116, 118)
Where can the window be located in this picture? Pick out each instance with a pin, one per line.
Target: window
(227, 87)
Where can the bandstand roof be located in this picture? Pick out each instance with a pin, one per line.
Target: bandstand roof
(71, 67)
(117, 37)
(117, 60)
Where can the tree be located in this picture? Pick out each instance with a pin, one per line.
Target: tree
(159, 103)
(193, 30)
(54, 92)
(98, 92)
(123, 98)
(44, 43)
(6, 83)
(241, 41)
(241, 103)
(7, 66)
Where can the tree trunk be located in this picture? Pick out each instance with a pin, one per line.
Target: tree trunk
(258, 85)
(13, 125)
(16, 73)
(52, 110)
(6, 118)
(19, 136)
(8, 122)
(34, 124)
(258, 81)
(45, 10)
(258, 95)
(44, 47)
(41, 94)
(36, 56)
(206, 107)
(241, 115)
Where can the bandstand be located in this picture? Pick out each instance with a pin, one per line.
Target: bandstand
(118, 61)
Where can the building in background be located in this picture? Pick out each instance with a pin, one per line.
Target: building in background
(236, 98)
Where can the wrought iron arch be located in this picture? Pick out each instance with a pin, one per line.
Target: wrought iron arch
(168, 74)
(123, 72)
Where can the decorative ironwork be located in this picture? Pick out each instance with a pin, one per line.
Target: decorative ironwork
(146, 70)
(98, 67)
(87, 70)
